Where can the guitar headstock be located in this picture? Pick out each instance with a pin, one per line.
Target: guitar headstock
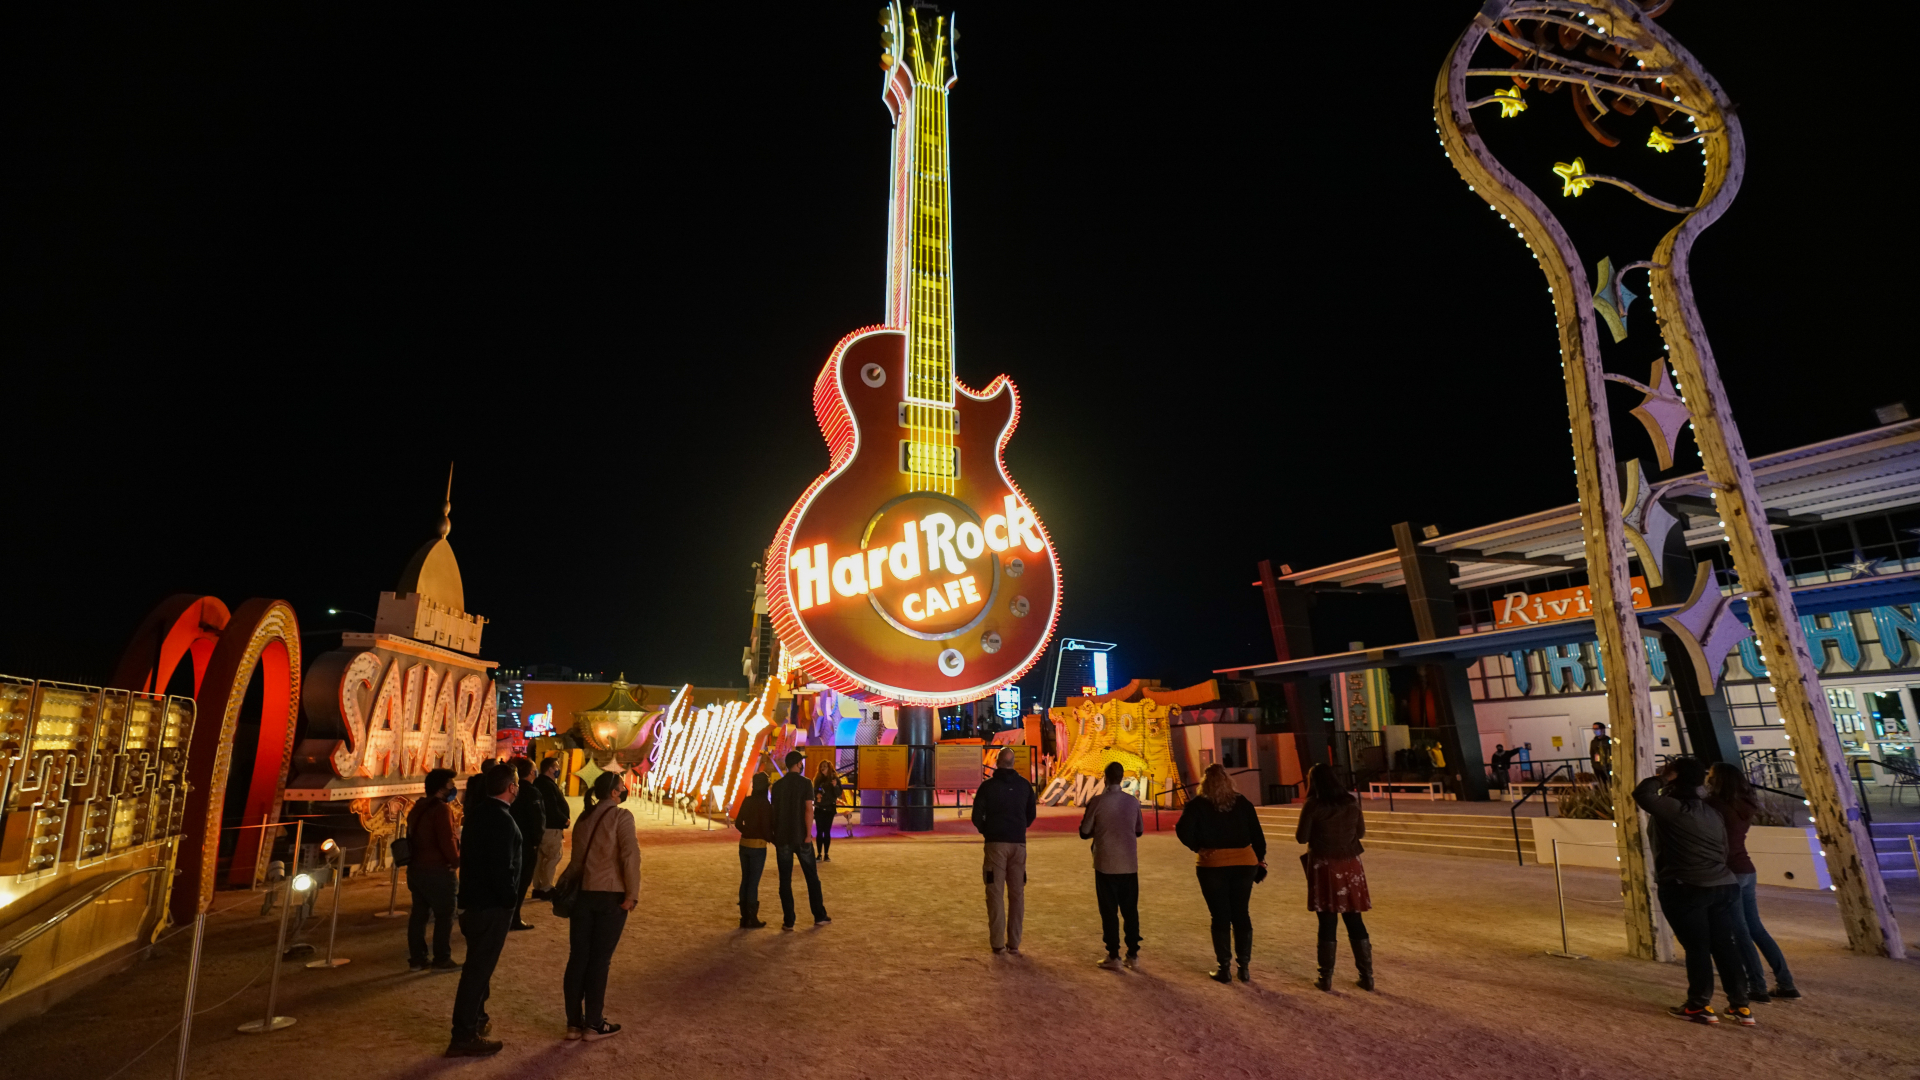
(917, 35)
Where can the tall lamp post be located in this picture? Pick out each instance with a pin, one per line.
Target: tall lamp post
(1552, 45)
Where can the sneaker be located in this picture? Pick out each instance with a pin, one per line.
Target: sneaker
(998, 949)
(1012, 951)
(602, 1030)
(788, 927)
(416, 965)
(1698, 1014)
(574, 1032)
(473, 1048)
(1758, 999)
(1111, 963)
(446, 963)
(1132, 962)
(1787, 992)
(1741, 1015)
(521, 926)
(821, 922)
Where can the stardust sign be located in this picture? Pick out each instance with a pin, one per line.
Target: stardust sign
(914, 571)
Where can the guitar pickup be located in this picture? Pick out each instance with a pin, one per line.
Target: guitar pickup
(953, 416)
(928, 459)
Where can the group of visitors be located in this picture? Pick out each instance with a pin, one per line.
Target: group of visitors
(1705, 882)
(506, 841)
(1223, 830)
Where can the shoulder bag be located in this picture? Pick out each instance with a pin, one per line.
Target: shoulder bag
(566, 891)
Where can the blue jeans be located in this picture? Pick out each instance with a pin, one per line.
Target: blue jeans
(753, 860)
(1753, 940)
(803, 851)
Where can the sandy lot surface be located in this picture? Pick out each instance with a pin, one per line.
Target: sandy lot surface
(902, 984)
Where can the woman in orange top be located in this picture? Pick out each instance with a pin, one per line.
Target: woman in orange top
(1331, 827)
(1223, 828)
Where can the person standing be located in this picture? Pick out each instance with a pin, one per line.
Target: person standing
(1003, 807)
(1600, 750)
(1113, 822)
(1731, 795)
(756, 829)
(490, 850)
(1331, 826)
(826, 800)
(607, 863)
(530, 814)
(792, 798)
(1697, 892)
(554, 836)
(432, 873)
(1222, 828)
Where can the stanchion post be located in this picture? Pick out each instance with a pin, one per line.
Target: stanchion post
(193, 985)
(1560, 892)
(272, 1022)
(1915, 851)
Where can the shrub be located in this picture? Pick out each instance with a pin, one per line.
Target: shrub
(1589, 802)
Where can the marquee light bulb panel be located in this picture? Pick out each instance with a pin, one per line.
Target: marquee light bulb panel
(1551, 46)
(710, 751)
(914, 571)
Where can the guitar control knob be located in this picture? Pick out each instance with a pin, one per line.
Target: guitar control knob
(1018, 607)
(990, 642)
(873, 375)
(951, 662)
(1016, 567)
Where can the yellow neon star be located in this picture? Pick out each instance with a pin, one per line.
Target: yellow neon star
(1660, 141)
(1511, 103)
(1574, 177)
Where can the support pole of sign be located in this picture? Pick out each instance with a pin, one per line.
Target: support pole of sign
(1560, 892)
(272, 1022)
(917, 730)
(393, 878)
(193, 985)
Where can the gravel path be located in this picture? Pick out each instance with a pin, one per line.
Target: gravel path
(902, 984)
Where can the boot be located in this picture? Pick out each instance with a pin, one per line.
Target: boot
(1328, 950)
(750, 916)
(1363, 959)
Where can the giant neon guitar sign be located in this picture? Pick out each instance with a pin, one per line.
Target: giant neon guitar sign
(915, 570)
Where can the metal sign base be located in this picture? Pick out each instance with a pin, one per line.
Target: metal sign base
(338, 961)
(261, 1027)
(1567, 955)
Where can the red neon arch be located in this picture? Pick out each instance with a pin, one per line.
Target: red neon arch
(182, 625)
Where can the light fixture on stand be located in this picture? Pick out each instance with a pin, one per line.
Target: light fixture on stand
(296, 883)
(336, 865)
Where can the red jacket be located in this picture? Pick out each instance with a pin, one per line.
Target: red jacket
(431, 835)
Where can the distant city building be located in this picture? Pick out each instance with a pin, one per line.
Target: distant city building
(1079, 664)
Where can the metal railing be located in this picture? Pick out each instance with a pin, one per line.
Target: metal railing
(1545, 810)
(77, 905)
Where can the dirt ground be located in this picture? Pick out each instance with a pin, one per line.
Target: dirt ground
(902, 984)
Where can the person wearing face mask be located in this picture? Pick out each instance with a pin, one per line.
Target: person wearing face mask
(606, 857)
(431, 875)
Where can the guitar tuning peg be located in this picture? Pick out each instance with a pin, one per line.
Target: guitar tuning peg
(886, 38)
(886, 15)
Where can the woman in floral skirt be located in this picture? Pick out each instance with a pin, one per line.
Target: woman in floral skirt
(1331, 827)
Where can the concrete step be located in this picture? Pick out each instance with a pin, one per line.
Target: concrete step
(1457, 835)
(1501, 854)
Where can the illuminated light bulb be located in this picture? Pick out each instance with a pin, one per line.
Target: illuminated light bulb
(302, 882)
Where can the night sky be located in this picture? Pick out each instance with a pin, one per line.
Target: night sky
(275, 267)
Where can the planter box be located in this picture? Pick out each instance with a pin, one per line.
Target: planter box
(1781, 856)
(1582, 842)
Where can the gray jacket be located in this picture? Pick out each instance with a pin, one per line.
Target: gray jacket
(1689, 837)
(1114, 823)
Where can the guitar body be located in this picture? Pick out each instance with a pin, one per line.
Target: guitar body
(913, 613)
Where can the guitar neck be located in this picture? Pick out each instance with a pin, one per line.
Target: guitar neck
(922, 265)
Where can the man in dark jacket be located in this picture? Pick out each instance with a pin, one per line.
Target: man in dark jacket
(792, 811)
(490, 850)
(530, 814)
(1697, 891)
(1600, 750)
(1002, 809)
(432, 873)
(555, 833)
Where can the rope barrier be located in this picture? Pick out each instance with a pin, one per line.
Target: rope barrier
(197, 1012)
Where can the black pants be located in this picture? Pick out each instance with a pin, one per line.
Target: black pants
(595, 931)
(804, 851)
(753, 861)
(486, 932)
(433, 891)
(1702, 919)
(1119, 897)
(529, 862)
(1227, 890)
(1330, 923)
(823, 833)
